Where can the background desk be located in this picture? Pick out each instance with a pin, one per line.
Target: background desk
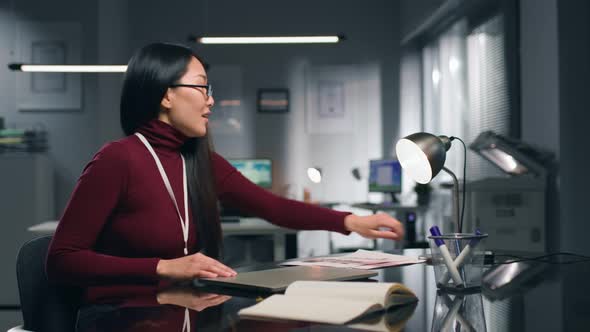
(246, 226)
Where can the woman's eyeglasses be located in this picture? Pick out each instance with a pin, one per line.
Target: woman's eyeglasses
(208, 87)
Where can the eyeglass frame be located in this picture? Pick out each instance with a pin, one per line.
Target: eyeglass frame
(208, 87)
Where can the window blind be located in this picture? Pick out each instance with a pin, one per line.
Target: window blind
(489, 104)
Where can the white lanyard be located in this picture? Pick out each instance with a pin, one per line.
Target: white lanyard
(186, 326)
(183, 222)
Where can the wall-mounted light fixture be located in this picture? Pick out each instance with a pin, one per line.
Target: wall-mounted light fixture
(67, 68)
(314, 174)
(229, 40)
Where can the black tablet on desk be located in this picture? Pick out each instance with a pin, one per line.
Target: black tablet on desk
(277, 280)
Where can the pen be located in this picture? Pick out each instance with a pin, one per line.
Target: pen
(465, 324)
(434, 231)
(447, 321)
(462, 256)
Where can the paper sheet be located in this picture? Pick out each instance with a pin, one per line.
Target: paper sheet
(361, 259)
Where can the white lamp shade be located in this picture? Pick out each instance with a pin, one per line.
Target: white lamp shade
(314, 174)
(413, 160)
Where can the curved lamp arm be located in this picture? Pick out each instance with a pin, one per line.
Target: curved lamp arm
(455, 196)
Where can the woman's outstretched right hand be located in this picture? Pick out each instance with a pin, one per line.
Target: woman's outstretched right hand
(193, 266)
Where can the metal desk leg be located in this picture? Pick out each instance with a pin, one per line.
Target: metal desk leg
(279, 246)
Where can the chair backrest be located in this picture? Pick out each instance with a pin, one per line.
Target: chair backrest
(45, 306)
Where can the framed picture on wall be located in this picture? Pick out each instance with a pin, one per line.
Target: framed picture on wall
(273, 100)
(331, 102)
(51, 43)
(48, 52)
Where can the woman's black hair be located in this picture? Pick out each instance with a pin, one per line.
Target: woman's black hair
(150, 72)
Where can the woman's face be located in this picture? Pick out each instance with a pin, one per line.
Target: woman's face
(187, 108)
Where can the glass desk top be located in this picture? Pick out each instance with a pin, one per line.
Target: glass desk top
(515, 297)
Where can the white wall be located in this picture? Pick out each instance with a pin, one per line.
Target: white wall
(72, 134)
(112, 49)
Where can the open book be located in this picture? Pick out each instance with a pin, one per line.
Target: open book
(393, 320)
(331, 302)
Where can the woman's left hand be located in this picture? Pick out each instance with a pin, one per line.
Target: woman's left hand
(380, 225)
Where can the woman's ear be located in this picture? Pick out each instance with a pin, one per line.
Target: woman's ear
(166, 102)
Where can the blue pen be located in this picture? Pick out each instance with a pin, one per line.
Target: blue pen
(434, 231)
(462, 256)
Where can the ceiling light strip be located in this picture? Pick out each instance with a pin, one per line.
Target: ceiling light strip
(270, 40)
(68, 68)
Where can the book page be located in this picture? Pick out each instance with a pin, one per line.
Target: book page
(331, 302)
(310, 309)
(373, 292)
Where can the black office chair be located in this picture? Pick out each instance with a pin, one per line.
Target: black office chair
(45, 306)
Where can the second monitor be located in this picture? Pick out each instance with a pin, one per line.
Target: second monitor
(385, 176)
(258, 171)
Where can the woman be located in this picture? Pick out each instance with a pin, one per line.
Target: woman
(145, 208)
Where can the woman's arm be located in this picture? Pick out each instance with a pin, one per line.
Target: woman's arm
(237, 191)
(71, 258)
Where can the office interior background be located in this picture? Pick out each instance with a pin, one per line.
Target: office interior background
(519, 68)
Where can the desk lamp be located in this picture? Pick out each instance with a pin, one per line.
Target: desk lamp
(422, 156)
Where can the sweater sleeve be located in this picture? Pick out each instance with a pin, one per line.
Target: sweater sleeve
(71, 258)
(237, 191)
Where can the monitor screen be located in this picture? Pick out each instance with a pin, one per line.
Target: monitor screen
(385, 176)
(258, 171)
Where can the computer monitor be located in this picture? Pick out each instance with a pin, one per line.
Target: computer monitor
(385, 176)
(258, 171)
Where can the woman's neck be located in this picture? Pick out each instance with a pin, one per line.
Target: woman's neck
(162, 135)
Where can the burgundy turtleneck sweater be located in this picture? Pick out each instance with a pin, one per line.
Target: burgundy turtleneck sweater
(120, 220)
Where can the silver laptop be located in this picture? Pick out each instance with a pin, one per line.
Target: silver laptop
(277, 280)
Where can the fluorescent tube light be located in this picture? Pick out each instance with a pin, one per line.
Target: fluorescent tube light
(68, 68)
(270, 40)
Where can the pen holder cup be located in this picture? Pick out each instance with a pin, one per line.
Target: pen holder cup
(454, 311)
(458, 259)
